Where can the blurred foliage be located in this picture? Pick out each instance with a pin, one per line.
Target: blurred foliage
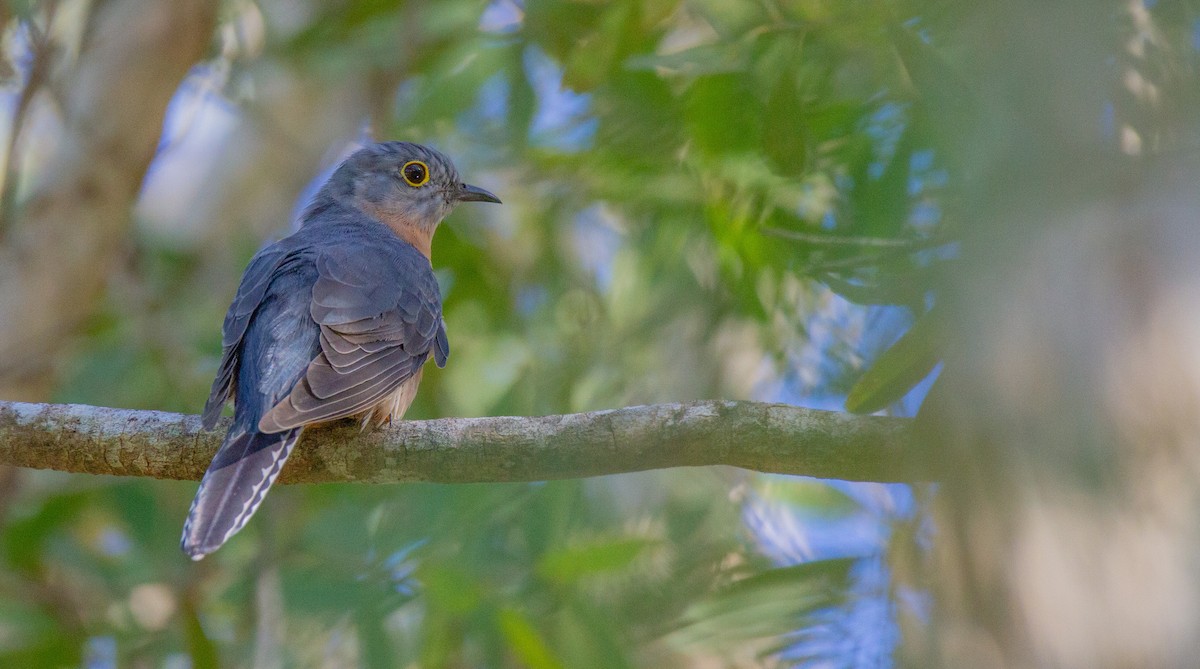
(702, 199)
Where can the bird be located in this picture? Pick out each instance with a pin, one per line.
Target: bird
(334, 321)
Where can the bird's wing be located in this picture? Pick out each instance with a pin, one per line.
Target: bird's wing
(380, 316)
(249, 295)
(275, 339)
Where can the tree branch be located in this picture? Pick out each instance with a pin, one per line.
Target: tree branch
(773, 438)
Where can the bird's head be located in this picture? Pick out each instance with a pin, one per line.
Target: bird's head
(406, 186)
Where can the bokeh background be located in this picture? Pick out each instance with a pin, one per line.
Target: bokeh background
(814, 202)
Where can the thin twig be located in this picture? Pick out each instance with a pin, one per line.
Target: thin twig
(837, 240)
(39, 69)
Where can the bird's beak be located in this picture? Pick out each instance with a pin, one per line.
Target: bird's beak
(469, 193)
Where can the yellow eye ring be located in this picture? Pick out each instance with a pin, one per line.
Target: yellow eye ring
(415, 173)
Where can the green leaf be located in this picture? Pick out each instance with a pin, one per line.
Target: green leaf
(24, 539)
(523, 638)
(813, 495)
(568, 565)
(899, 368)
(783, 132)
(724, 114)
(934, 81)
(698, 60)
(903, 289)
(768, 604)
(488, 370)
(595, 55)
(451, 589)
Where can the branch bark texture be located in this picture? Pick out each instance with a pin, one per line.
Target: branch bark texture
(773, 438)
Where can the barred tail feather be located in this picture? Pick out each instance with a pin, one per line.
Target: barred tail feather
(234, 485)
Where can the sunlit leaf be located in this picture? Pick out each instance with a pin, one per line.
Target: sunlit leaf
(526, 644)
(568, 564)
(811, 495)
(899, 368)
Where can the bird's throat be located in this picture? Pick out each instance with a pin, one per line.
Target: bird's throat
(421, 237)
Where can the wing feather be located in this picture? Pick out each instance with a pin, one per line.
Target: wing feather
(249, 295)
(442, 352)
(380, 316)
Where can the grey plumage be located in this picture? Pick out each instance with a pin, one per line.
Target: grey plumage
(334, 321)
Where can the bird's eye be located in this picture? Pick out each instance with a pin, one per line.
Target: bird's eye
(415, 172)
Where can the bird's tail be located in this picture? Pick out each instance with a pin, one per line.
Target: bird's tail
(234, 485)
